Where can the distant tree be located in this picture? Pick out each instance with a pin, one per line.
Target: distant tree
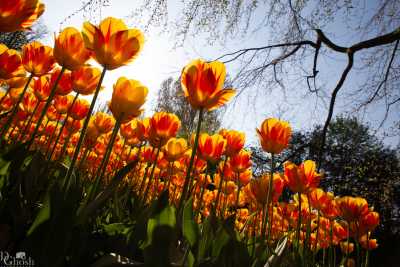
(16, 40)
(171, 99)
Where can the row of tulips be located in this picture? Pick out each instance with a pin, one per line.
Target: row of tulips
(43, 108)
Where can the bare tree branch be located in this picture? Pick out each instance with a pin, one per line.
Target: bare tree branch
(332, 105)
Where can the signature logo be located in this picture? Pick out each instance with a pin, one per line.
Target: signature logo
(19, 260)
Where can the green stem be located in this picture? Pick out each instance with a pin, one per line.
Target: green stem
(238, 193)
(146, 191)
(299, 222)
(63, 125)
(269, 197)
(187, 179)
(15, 109)
(28, 124)
(84, 128)
(46, 106)
(104, 162)
(221, 179)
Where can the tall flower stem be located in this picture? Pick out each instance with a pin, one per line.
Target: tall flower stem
(51, 137)
(298, 223)
(269, 200)
(62, 126)
(23, 133)
(103, 165)
(15, 109)
(46, 106)
(238, 192)
(85, 125)
(221, 179)
(189, 170)
(64, 148)
(146, 191)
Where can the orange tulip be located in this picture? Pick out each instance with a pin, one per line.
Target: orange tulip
(369, 221)
(318, 199)
(37, 59)
(10, 63)
(52, 113)
(64, 86)
(127, 129)
(79, 109)
(14, 94)
(163, 126)
(245, 177)
(142, 129)
(352, 208)
(234, 141)
(85, 80)
(175, 148)
(241, 161)
(274, 135)
(259, 188)
(29, 102)
(103, 122)
(127, 99)
(202, 84)
(6, 103)
(211, 147)
(62, 103)
(368, 244)
(346, 247)
(92, 133)
(303, 178)
(17, 15)
(112, 43)
(73, 126)
(41, 87)
(69, 49)
(17, 82)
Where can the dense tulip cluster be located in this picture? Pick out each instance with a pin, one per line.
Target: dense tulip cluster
(42, 106)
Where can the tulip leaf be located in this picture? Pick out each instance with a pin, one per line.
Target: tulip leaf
(190, 227)
(43, 215)
(221, 239)
(102, 197)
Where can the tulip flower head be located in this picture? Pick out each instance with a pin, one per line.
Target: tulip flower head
(17, 15)
(352, 208)
(112, 43)
(234, 141)
(103, 122)
(41, 87)
(163, 126)
(85, 80)
(10, 63)
(202, 84)
(37, 59)
(127, 99)
(211, 147)
(79, 109)
(69, 49)
(274, 135)
(302, 178)
(175, 148)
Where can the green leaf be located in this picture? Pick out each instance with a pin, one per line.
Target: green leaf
(190, 227)
(190, 259)
(116, 228)
(221, 239)
(165, 218)
(89, 209)
(43, 215)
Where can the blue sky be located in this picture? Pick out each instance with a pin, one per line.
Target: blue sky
(159, 60)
